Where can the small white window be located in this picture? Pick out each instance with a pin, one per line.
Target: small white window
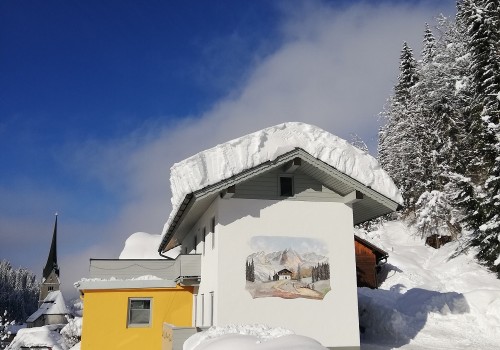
(204, 237)
(139, 312)
(195, 299)
(203, 309)
(212, 228)
(211, 308)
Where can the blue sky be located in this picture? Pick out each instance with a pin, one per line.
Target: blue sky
(99, 98)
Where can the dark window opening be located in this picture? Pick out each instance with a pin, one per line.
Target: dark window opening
(286, 186)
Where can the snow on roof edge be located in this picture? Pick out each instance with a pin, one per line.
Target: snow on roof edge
(230, 158)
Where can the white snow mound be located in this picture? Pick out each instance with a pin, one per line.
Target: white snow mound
(225, 160)
(142, 245)
(249, 337)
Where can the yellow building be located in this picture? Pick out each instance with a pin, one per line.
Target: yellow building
(126, 306)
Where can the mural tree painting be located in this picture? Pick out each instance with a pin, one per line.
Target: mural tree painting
(250, 271)
(321, 272)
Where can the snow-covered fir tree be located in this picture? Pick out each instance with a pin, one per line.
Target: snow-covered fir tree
(397, 140)
(483, 27)
(441, 140)
(18, 292)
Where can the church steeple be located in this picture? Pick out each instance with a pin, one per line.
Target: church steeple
(52, 258)
(50, 278)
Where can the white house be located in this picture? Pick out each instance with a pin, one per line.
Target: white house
(285, 197)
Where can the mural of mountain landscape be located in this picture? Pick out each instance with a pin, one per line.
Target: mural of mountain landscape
(287, 267)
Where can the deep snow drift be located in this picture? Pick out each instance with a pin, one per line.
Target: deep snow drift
(430, 299)
(225, 160)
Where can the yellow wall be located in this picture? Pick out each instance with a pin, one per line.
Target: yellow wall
(105, 317)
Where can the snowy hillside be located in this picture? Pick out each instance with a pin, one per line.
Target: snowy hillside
(429, 299)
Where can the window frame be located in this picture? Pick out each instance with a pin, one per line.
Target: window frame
(130, 309)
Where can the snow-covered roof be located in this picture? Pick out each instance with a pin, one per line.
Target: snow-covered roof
(45, 336)
(234, 157)
(53, 304)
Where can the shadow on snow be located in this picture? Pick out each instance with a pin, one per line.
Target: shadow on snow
(387, 317)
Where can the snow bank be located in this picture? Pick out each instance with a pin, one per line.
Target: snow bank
(249, 337)
(225, 160)
(38, 336)
(430, 299)
(142, 245)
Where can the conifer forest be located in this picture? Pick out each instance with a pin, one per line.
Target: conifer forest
(441, 138)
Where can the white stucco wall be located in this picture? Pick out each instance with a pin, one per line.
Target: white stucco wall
(209, 263)
(334, 320)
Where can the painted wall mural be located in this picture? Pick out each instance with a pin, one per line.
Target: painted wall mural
(287, 267)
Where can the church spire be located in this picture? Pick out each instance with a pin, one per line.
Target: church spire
(52, 258)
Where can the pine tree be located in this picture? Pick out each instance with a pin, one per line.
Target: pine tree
(483, 27)
(429, 45)
(399, 148)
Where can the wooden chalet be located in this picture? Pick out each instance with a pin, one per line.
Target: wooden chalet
(368, 258)
(284, 274)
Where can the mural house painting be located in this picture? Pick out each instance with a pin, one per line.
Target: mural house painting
(287, 267)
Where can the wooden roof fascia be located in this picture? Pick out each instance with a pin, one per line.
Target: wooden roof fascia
(382, 253)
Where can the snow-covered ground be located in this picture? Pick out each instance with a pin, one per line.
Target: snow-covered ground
(430, 299)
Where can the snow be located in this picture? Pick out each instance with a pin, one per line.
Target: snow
(76, 347)
(142, 245)
(140, 278)
(249, 337)
(430, 299)
(225, 160)
(72, 332)
(38, 336)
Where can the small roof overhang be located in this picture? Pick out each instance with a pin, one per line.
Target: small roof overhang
(379, 253)
(373, 205)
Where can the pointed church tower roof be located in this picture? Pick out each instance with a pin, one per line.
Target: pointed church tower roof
(52, 259)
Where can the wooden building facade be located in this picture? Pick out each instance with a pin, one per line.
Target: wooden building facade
(368, 258)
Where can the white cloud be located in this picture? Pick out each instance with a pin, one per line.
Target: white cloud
(335, 70)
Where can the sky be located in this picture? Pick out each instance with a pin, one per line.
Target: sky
(99, 98)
